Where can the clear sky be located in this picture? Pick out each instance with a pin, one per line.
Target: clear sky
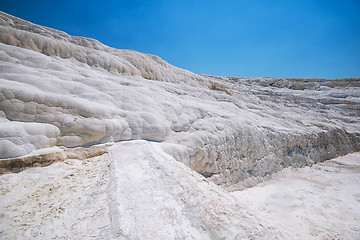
(249, 38)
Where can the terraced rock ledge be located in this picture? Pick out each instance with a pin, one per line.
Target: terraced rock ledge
(81, 105)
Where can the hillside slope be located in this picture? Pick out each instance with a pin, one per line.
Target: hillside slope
(101, 143)
(64, 91)
(137, 191)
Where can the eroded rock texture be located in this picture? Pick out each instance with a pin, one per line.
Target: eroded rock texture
(59, 90)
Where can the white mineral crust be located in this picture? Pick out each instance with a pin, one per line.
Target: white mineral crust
(181, 141)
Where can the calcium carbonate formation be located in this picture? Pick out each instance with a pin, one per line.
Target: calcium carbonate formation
(64, 91)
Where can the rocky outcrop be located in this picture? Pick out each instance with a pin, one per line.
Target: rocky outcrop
(59, 90)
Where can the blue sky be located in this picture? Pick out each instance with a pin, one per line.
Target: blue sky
(249, 38)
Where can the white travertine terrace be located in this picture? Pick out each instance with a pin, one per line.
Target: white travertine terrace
(129, 135)
(59, 90)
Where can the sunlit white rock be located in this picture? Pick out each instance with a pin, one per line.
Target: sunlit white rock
(81, 92)
(138, 191)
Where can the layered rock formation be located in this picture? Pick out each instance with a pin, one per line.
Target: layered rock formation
(64, 91)
(101, 143)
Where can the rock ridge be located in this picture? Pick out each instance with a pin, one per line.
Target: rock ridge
(59, 90)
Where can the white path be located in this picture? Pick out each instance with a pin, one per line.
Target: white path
(137, 191)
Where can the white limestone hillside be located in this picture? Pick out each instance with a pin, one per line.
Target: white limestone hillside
(78, 91)
(101, 143)
(59, 90)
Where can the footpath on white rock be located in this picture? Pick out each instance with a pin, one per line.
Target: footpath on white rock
(137, 191)
(97, 142)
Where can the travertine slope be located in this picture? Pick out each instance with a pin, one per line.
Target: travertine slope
(101, 143)
(137, 191)
(59, 90)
